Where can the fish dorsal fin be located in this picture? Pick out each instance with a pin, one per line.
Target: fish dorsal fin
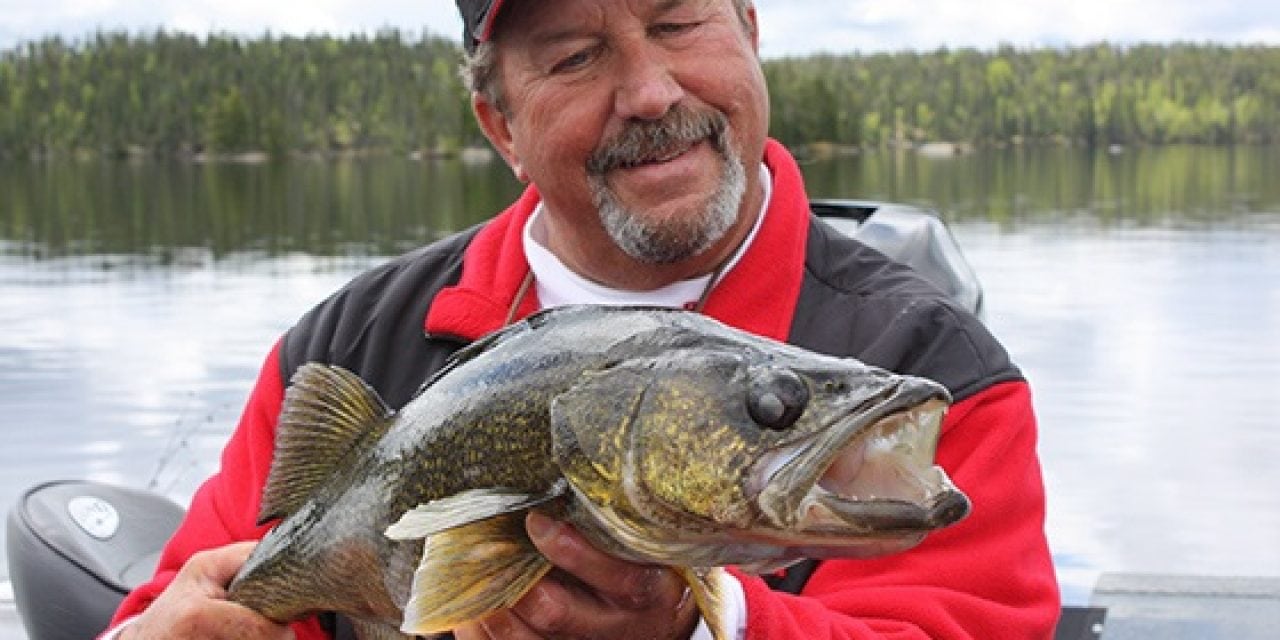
(471, 351)
(466, 507)
(470, 571)
(328, 413)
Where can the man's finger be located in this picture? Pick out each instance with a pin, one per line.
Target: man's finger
(622, 583)
(194, 604)
(213, 569)
(499, 625)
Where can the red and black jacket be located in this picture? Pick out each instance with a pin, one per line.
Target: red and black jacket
(801, 281)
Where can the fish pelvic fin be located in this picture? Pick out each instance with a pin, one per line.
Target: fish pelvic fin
(328, 413)
(708, 595)
(469, 571)
(465, 508)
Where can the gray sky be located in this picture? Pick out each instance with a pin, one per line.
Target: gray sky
(788, 26)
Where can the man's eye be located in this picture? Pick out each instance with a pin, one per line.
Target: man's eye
(673, 28)
(572, 62)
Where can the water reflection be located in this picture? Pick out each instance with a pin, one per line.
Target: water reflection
(1138, 186)
(160, 211)
(175, 213)
(1140, 292)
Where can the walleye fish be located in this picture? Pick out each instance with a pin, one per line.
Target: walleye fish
(663, 436)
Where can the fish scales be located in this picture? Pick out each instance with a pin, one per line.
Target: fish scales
(664, 436)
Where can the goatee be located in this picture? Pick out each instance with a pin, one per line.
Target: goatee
(674, 239)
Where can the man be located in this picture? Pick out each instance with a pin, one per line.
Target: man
(641, 127)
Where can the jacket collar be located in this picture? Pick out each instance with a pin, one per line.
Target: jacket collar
(756, 295)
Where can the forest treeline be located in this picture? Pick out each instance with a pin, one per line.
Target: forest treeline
(174, 93)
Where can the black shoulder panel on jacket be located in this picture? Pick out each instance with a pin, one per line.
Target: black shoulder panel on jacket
(856, 302)
(374, 325)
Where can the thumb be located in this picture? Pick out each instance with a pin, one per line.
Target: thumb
(217, 567)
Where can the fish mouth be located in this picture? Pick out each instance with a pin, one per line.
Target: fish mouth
(879, 492)
(885, 480)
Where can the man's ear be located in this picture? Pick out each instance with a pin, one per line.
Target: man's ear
(496, 127)
(753, 28)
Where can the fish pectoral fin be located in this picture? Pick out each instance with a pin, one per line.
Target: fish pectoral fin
(469, 571)
(466, 507)
(708, 594)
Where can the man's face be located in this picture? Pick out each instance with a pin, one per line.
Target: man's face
(639, 120)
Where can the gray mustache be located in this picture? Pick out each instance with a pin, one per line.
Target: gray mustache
(644, 141)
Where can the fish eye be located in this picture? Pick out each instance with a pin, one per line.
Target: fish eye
(776, 398)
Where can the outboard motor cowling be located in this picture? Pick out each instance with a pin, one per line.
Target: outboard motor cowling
(911, 235)
(76, 548)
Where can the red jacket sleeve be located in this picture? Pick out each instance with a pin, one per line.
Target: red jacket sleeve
(225, 508)
(990, 576)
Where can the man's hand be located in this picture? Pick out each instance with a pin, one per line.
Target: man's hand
(195, 604)
(590, 595)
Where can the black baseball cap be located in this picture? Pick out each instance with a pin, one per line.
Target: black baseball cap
(478, 17)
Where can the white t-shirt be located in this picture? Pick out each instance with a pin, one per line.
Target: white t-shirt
(558, 285)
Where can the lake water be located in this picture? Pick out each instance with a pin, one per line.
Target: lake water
(1139, 291)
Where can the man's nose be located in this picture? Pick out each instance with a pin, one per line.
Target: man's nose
(647, 87)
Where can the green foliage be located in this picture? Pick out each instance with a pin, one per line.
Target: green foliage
(169, 92)
(1101, 94)
(229, 122)
(116, 93)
